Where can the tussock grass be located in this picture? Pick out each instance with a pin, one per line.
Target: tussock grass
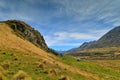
(21, 75)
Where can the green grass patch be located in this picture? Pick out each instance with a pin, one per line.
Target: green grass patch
(90, 67)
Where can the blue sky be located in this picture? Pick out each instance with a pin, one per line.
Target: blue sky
(65, 24)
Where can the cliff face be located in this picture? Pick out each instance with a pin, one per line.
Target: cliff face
(25, 31)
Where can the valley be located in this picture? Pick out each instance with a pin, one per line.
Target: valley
(21, 59)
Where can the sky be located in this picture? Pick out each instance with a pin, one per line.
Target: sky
(65, 24)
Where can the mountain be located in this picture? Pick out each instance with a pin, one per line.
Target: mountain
(110, 39)
(108, 43)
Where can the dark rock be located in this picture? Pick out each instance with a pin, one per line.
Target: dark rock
(25, 31)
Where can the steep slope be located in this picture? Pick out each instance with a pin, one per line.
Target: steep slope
(23, 60)
(109, 43)
(25, 31)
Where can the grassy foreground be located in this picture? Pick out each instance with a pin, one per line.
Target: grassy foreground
(15, 65)
(22, 66)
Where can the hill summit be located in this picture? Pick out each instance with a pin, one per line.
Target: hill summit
(25, 31)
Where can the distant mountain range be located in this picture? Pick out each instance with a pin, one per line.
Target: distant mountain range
(60, 51)
(108, 43)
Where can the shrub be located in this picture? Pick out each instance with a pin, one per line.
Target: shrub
(46, 71)
(21, 75)
(40, 66)
(4, 53)
(53, 71)
(44, 62)
(52, 51)
(6, 64)
(15, 59)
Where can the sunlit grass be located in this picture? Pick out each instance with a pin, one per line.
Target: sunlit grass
(90, 66)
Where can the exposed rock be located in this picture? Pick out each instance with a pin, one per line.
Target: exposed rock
(25, 31)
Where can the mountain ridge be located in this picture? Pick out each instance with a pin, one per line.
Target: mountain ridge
(109, 43)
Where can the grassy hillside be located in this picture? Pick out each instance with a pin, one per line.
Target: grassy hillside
(104, 69)
(21, 60)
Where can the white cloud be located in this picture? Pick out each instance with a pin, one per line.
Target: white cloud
(60, 38)
(73, 35)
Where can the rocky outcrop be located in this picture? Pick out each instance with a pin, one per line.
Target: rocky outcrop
(25, 31)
